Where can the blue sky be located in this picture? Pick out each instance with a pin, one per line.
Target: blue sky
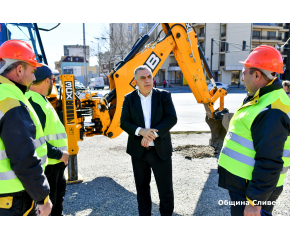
(69, 34)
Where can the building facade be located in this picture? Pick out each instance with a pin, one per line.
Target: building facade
(76, 51)
(225, 44)
(75, 66)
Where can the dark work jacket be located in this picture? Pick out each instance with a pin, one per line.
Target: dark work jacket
(18, 132)
(270, 130)
(163, 118)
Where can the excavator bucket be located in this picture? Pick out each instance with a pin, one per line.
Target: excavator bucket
(218, 128)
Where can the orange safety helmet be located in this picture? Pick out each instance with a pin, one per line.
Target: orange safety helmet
(265, 57)
(17, 49)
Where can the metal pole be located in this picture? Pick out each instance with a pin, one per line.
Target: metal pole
(85, 62)
(211, 53)
(40, 43)
(73, 176)
(99, 58)
(72, 168)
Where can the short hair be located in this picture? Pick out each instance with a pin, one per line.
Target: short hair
(286, 83)
(252, 70)
(36, 83)
(13, 66)
(142, 67)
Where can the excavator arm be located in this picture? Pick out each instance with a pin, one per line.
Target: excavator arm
(104, 112)
(182, 40)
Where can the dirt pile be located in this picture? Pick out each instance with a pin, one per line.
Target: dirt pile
(195, 151)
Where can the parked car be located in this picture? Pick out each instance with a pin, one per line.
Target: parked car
(219, 85)
(79, 85)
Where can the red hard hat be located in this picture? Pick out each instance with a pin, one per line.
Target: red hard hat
(265, 57)
(17, 49)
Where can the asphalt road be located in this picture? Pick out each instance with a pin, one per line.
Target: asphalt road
(191, 115)
(109, 188)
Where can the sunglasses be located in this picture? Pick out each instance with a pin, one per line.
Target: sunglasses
(53, 79)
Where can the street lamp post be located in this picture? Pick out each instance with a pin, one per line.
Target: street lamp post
(99, 56)
(85, 61)
(101, 38)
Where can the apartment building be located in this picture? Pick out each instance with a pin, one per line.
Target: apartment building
(75, 65)
(225, 44)
(73, 53)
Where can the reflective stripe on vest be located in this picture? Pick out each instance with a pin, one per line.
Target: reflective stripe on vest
(238, 152)
(245, 159)
(3, 155)
(1, 114)
(65, 148)
(9, 175)
(9, 182)
(39, 142)
(54, 130)
(55, 136)
(240, 140)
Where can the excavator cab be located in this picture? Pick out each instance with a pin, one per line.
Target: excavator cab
(27, 32)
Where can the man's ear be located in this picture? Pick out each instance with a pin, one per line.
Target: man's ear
(19, 70)
(258, 76)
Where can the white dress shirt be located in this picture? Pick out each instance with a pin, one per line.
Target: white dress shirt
(146, 107)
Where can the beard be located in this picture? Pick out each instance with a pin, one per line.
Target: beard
(28, 87)
(49, 89)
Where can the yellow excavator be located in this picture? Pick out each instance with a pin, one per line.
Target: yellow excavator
(105, 112)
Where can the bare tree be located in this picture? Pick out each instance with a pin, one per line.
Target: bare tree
(119, 40)
(116, 42)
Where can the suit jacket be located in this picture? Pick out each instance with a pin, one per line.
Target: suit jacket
(163, 118)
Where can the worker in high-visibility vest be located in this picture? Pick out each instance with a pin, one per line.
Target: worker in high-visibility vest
(256, 151)
(55, 135)
(23, 151)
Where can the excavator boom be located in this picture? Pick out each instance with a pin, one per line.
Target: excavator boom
(104, 112)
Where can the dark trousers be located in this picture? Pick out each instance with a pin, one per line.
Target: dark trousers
(21, 203)
(162, 171)
(239, 209)
(57, 183)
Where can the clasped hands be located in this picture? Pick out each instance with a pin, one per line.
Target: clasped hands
(148, 136)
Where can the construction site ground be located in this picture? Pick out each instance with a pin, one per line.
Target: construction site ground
(108, 187)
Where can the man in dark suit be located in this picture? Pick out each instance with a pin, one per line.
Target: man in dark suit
(147, 116)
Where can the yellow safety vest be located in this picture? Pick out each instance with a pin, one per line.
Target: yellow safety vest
(238, 153)
(54, 130)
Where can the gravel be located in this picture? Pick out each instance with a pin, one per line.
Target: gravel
(109, 189)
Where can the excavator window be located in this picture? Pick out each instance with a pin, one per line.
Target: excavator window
(22, 31)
